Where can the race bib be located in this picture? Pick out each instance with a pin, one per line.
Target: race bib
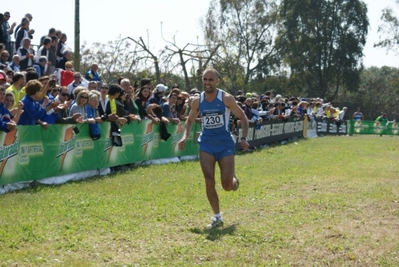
(212, 120)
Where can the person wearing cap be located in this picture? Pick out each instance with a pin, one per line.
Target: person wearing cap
(26, 54)
(157, 94)
(215, 141)
(7, 31)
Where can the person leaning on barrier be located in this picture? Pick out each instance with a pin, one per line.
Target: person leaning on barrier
(33, 111)
(8, 121)
(62, 109)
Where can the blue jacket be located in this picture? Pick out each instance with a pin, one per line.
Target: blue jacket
(5, 117)
(90, 76)
(33, 111)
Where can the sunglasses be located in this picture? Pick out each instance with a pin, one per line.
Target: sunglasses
(77, 77)
(106, 88)
(64, 94)
(84, 97)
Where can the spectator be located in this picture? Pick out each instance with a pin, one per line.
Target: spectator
(120, 108)
(318, 109)
(22, 33)
(51, 33)
(341, 114)
(66, 76)
(130, 104)
(7, 31)
(278, 111)
(29, 18)
(8, 121)
(62, 109)
(382, 119)
(33, 111)
(18, 82)
(2, 30)
(92, 86)
(61, 48)
(66, 57)
(26, 54)
(3, 78)
(142, 102)
(103, 99)
(9, 74)
(52, 58)
(4, 60)
(358, 115)
(40, 66)
(80, 104)
(113, 92)
(9, 102)
(14, 66)
(157, 94)
(93, 117)
(181, 108)
(169, 109)
(92, 74)
(77, 81)
(44, 49)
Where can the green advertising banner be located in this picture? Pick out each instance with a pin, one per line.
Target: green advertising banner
(33, 153)
(372, 127)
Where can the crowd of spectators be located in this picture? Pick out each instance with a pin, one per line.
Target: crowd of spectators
(267, 107)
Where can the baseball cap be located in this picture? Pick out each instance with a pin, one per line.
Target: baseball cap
(161, 88)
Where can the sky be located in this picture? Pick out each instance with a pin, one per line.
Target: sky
(102, 21)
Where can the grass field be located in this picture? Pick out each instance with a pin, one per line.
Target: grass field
(331, 201)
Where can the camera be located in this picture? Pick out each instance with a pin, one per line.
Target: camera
(52, 83)
(76, 130)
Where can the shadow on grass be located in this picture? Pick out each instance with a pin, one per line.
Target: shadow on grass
(215, 233)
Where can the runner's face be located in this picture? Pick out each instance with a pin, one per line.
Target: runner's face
(210, 81)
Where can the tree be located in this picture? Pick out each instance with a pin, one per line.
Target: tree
(322, 42)
(115, 59)
(245, 29)
(389, 29)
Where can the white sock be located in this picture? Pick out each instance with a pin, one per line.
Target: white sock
(218, 216)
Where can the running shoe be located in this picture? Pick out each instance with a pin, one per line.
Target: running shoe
(216, 222)
(237, 185)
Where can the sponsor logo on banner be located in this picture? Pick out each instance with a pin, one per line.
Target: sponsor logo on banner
(10, 148)
(66, 146)
(148, 137)
(177, 136)
(395, 128)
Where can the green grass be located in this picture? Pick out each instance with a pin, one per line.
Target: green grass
(331, 201)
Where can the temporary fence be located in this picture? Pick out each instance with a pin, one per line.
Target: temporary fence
(62, 153)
